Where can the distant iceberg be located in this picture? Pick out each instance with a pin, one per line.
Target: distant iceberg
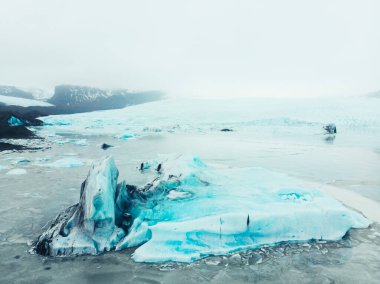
(14, 121)
(70, 162)
(192, 210)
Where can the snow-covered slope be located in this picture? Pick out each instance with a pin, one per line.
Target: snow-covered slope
(67, 95)
(11, 91)
(13, 101)
(89, 99)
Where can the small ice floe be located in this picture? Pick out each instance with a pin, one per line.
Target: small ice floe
(125, 136)
(67, 163)
(16, 172)
(22, 161)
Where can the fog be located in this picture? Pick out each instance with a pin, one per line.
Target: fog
(194, 48)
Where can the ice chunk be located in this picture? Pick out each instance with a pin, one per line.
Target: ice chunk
(192, 210)
(67, 163)
(89, 226)
(14, 121)
(17, 172)
(126, 136)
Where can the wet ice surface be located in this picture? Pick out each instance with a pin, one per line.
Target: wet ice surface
(350, 161)
(352, 260)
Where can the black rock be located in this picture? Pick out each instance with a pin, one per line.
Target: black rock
(106, 146)
(159, 168)
(330, 128)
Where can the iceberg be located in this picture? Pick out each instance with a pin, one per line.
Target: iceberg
(14, 121)
(190, 210)
(87, 227)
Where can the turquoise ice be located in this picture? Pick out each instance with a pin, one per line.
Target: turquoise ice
(191, 210)
(14, 121)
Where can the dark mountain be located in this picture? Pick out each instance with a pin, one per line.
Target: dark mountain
(82, 99)
(11, 91)
(66, 100)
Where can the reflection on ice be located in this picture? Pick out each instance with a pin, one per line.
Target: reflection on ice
(191, 210)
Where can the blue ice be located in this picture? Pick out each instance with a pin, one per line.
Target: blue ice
(216, 211)
(192, 210)
(14, 121)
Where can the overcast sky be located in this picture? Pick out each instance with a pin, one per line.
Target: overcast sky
(198, 48)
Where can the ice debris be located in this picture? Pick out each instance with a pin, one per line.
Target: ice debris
(191, 210)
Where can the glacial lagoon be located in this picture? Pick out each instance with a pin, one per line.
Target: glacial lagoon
(290, 145)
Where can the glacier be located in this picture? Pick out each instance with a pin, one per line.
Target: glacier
(168, 116)
(190, 210)
(15, 101)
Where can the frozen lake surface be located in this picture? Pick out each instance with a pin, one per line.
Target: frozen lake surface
(283, 136)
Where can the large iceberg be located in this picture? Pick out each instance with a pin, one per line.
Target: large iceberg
(191, 210)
